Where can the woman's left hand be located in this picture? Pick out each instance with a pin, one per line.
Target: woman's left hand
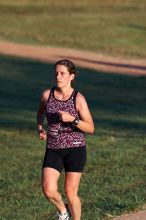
(66, 116)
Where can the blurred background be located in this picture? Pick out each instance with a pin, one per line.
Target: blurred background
(116, 27)
(114, 180)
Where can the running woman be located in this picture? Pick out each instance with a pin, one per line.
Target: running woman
(68, 119)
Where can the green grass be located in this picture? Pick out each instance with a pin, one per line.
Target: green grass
(114, 180)
(113, 27)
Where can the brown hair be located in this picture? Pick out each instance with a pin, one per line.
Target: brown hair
(70, 66)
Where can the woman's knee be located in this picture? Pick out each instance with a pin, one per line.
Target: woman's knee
(49, 192)
(70, 193)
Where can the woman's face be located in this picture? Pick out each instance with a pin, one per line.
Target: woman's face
(63, 76)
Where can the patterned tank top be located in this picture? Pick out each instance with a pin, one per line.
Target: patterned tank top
(62, 134)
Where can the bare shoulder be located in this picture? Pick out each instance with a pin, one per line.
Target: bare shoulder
(80, 97)
(45, 95)
(80, 101)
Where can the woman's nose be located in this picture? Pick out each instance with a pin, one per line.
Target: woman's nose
(58, 75)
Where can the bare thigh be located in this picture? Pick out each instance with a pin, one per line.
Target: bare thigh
(50, 178)
(72, 181)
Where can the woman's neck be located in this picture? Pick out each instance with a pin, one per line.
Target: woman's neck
(64, 91)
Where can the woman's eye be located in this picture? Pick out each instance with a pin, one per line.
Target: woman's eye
(60, 73)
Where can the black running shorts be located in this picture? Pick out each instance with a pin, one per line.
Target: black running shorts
(69, 159)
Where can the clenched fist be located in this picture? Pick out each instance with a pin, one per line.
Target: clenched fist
(66, 116)
(42, 134)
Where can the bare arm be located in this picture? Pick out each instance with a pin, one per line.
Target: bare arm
(41, 114)
(86, 122)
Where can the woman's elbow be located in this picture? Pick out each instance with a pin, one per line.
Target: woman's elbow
(92, 129)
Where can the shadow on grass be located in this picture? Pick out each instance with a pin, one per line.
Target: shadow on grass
(117, 102)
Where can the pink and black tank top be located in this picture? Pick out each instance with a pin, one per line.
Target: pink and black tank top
(62, 134)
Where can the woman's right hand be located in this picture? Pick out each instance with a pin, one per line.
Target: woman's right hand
(42, 134)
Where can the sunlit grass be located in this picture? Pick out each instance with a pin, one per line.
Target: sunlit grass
(113, 27)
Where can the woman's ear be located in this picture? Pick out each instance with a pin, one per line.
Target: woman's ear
(72, 76)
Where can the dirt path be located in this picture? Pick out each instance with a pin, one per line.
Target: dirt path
(137, 215)
(85, 59)
(81, 58)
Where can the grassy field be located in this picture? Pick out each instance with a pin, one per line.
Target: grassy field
(113, 27)
(114, 180)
